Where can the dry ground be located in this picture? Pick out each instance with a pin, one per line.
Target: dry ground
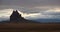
(29, 27)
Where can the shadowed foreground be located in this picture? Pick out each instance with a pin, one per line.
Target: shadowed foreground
(29, 27)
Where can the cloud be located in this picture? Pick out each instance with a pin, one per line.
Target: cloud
(29, 6)
(32, 8)
(5, 14)
(54, 11)
(30, 2)
(49, 14)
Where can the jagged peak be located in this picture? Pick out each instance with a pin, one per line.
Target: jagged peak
(16, 11)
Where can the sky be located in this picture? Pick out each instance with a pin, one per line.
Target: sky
(31, 9)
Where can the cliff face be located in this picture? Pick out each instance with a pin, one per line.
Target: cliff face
(16, 17)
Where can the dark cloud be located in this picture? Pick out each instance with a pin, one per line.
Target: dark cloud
(24, 9)
(16, 4)
(30, 2)
(51, 13)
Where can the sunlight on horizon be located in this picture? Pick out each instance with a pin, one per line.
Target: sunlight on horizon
(54, 10)
(8, 12)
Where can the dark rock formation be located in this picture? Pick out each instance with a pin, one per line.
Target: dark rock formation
(16, 17)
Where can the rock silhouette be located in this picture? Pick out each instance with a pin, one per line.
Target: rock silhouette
(16, 17)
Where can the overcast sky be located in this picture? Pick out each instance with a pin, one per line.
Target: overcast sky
(32, 8)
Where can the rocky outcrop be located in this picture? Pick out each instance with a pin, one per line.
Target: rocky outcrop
(16, 17)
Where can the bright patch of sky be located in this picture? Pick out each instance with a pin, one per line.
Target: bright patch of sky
(51, 13)
(31, 9)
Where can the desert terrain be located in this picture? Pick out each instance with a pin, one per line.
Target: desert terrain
(29, 27)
